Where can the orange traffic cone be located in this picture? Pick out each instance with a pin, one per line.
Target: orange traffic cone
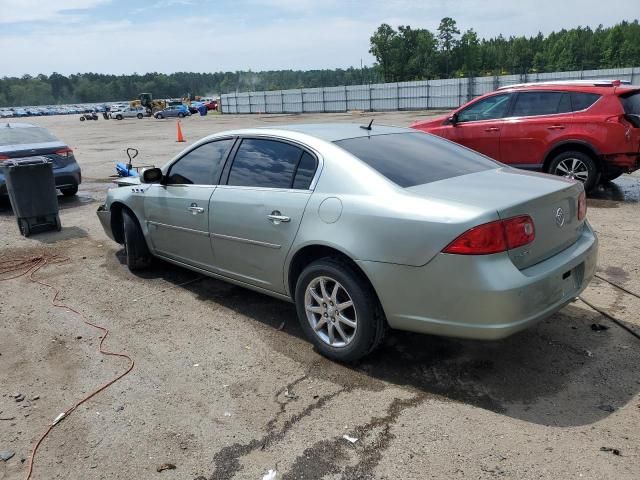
(180, 136)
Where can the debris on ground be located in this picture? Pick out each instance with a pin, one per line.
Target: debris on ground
(270, 475)
(20, 397)
(6, 455)
(589, 353)
(607, 408)
(35, 397)
(281, 327)
(598, 327)
(615, 451)
(166, 466)
(290, 395)
(350, 439)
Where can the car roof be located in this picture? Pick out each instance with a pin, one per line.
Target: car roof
(332, 132)
(569, 87)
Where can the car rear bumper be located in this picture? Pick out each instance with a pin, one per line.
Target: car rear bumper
(67, 176)
(481, 297)
(624, 162)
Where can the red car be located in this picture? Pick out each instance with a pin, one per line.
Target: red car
(586, 130)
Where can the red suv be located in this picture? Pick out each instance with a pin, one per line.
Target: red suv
(589, 131)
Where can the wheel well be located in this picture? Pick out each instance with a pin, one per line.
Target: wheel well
(571, 147)
(310, 254)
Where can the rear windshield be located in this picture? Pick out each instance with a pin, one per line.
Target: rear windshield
(631, 103)
(22, 135)
(409, 159)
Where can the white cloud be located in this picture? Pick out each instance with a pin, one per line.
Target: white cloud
(15, 11)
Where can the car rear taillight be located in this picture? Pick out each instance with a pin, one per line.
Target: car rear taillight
(3, 157)
(494, 237)
(582, 206)
(64, 152)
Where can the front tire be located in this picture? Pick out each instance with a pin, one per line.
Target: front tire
(578, 166)
(159, 116)
(82, 119)
(338, 310)
(139, 116)
(135, 246)
(118, 117)
(181, 115)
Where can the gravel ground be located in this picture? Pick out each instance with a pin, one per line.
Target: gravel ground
(224, 385)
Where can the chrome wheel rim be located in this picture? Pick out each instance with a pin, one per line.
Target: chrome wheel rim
(573, 168)
(330, 312)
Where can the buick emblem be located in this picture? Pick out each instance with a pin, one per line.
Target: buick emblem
(560, 217)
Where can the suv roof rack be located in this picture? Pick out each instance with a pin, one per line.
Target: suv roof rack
(586, 83)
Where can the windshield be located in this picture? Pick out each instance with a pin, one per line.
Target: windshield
(409, 159)
(25, 135)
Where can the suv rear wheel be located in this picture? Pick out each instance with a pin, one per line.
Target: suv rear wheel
(576, 165)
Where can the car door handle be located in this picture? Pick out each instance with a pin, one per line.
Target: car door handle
(556, 127)
(492, 129)
(276, 217)
(195, 209)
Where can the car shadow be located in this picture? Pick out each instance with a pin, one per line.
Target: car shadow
(558, 373)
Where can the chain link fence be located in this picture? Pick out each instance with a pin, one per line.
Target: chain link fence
(419, 95)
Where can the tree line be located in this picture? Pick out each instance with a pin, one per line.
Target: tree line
(401, 55)
(417, 53)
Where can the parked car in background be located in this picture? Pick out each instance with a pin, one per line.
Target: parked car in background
(584, 130)
(212, 105)
(129, 112)
(180, 111)
(19, 140)
(364, 228)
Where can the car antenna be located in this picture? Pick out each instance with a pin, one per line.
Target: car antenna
(368, 127)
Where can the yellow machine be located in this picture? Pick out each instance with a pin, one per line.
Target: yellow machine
(146, 100)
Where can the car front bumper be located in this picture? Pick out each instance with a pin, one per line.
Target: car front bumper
(481, 297)
(104, 215)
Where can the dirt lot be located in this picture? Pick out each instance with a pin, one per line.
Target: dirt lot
(220, 391)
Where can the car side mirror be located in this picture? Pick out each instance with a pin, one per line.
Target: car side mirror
(453, 119)
(151, 175)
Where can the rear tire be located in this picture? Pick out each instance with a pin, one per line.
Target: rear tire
(139, 116)
(578, 166)
(82, 119)
(69, 191)
(343, 334)
(159, 116)
(118, 117)
(181, 115)
(135, 246)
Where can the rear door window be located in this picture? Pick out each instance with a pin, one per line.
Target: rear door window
(631, 105)
(530, 104)
(409, 159)
(265, 163)
(201, 166)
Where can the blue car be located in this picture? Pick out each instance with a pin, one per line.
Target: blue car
(20, 140)
(180, 111)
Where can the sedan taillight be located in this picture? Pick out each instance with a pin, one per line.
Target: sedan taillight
(64, 152)
(582, 206)
(494, 237)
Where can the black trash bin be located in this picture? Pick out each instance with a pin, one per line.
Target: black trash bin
(32, 192)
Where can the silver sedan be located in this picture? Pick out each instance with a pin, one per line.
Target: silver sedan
(364, 228)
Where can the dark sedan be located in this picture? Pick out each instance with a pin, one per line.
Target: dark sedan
(19, 140)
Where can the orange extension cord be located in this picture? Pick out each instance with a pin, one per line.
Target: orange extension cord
(28, 266)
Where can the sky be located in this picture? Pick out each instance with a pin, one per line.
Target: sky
(139, 36)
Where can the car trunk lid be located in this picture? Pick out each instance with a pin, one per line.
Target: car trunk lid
(552, 203)
(46, 149)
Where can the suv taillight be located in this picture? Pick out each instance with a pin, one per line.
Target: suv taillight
(494, 237)
(3, 157)
(582, 206)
